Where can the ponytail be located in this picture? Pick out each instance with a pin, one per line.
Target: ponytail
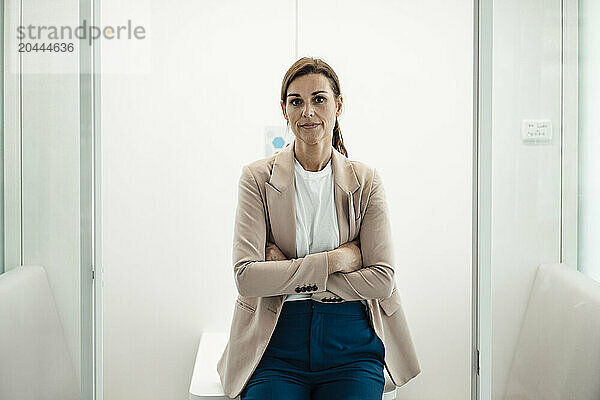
(337, 142)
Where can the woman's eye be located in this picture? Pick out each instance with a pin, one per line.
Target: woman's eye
(318, 100)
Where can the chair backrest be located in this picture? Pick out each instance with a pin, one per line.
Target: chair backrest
(558, 352)
(34, 359)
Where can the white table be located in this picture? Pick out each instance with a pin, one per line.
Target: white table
(206, 384)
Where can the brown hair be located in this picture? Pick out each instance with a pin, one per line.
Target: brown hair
(309, 65)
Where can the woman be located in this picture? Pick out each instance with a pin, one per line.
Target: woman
(318, 314)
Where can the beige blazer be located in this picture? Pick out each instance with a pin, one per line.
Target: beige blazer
(265, 209)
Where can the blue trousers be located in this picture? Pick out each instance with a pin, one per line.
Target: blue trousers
(320, 351)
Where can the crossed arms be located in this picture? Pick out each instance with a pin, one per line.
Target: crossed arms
(261, 269)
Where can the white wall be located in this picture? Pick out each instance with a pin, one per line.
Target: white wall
(526, 180)
(176, 131)
(589, 138)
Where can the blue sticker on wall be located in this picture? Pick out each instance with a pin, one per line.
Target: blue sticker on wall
(278, 142)
(274, 139)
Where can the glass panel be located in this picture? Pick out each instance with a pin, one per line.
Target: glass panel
(589, 138)
(545, 313)
(44, 335)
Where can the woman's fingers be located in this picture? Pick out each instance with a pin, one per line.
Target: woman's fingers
(272, 253)
(355, 242)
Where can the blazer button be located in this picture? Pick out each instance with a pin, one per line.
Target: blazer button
(298, 290)
(303, 289)
(314, 287)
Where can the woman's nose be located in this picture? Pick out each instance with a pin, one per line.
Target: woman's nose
(307, 112)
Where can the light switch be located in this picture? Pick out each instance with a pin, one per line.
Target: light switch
(536, 131)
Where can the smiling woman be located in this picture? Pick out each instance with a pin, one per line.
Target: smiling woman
(312, 111)
(313, 262)
(311, 104)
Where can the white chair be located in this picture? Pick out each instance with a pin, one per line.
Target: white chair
(206, 384)
(557, 356)
(34, 359)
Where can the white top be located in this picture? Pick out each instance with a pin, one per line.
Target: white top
(316, 216)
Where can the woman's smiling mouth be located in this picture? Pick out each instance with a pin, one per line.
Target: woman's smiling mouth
(309, 126)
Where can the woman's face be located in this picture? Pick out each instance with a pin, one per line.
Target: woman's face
(311, 108)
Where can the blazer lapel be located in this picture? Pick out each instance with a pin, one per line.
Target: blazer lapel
(280, 196)
(345, 185)
(279, 191)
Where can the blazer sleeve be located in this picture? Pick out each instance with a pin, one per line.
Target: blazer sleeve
(255, 277)
(376, 278)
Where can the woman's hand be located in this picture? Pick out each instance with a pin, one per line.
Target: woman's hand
(272, 253)
(346, 258)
